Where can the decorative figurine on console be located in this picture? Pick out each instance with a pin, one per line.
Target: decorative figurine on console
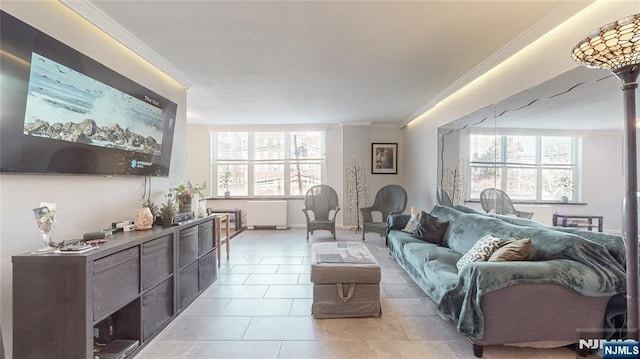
(45, 220)
(144, 219)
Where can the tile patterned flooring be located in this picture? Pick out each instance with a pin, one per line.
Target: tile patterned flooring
(260, 307)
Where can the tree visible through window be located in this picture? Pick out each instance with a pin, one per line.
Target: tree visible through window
(527, 167)
(268, 163)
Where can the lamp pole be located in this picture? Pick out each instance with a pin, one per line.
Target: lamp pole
(616, 47)
(629, 76)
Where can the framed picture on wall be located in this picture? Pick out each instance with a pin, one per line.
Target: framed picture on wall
(384, 158)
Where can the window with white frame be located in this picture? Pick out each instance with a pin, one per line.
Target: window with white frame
(267, 163)
(527, 167)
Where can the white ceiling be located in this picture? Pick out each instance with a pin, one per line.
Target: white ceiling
(296, 62)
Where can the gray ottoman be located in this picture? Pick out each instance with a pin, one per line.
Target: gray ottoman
(346, 281)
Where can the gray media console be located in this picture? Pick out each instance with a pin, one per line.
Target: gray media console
(130, 288)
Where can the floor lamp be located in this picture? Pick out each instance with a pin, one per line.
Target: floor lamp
(616, 47)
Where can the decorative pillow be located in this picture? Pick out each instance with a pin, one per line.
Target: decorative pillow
(429, 229)
(412, 225)
(481, 251)
(513, 250)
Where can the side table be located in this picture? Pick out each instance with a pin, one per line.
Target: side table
(577, 220)
(237, 214)
(222, 217)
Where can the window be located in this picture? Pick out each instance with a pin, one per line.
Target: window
(527, 167)
(268, 163)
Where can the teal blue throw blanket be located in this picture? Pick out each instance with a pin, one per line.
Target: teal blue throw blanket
(591, 267)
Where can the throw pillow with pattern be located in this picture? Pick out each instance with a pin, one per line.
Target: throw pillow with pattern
(481, 251)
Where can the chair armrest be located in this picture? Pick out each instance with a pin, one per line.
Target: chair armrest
(397, 221)
(306, 214)
(335, 213)
(366, 214)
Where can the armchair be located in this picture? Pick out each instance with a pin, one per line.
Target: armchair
(320, 209)
(390, 199)
(500, 202)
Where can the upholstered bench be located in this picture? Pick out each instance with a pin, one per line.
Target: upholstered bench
(346, 281)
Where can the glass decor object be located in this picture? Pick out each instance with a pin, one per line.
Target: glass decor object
(616, 47)
(45, 220)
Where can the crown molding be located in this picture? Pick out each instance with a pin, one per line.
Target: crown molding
(354, 124)
(534, 32)
(102, 21)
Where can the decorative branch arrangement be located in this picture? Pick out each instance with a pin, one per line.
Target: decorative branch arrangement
(356, 191)
(454, 183)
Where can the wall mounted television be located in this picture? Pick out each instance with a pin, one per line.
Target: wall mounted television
(62, 112)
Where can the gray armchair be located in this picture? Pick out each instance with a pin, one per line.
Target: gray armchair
(500, 202)
(390, 199)
(320, 209)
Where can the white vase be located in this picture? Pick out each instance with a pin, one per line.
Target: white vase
(200, 210)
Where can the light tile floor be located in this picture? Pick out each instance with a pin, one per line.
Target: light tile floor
(260, 307)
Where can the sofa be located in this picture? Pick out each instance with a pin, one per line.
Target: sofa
(564, 285)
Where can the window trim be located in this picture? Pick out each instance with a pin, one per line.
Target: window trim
(575, 166)
(288, 161)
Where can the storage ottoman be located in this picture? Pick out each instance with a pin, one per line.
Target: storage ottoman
(346, 281)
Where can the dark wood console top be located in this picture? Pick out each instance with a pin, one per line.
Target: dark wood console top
(114, 243)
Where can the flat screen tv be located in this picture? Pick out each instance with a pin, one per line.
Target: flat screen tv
(62, 112)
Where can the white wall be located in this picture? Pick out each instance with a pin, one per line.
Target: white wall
(385, 134)
(343, 143)
(84, 203)
(603, 179)
(357, 147)
(357, 140)
(538, 62)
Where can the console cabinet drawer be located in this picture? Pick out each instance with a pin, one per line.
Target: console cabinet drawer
(205, 237)
(157, 260)
(189, 284)
(208, 269)
(188, 246)
(116, 281)
(157, 307)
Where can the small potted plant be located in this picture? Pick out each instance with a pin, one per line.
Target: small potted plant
(153, 207)
(566, 184)
(167, 210)
(184, 193)
(155, 210)
(224, 181)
